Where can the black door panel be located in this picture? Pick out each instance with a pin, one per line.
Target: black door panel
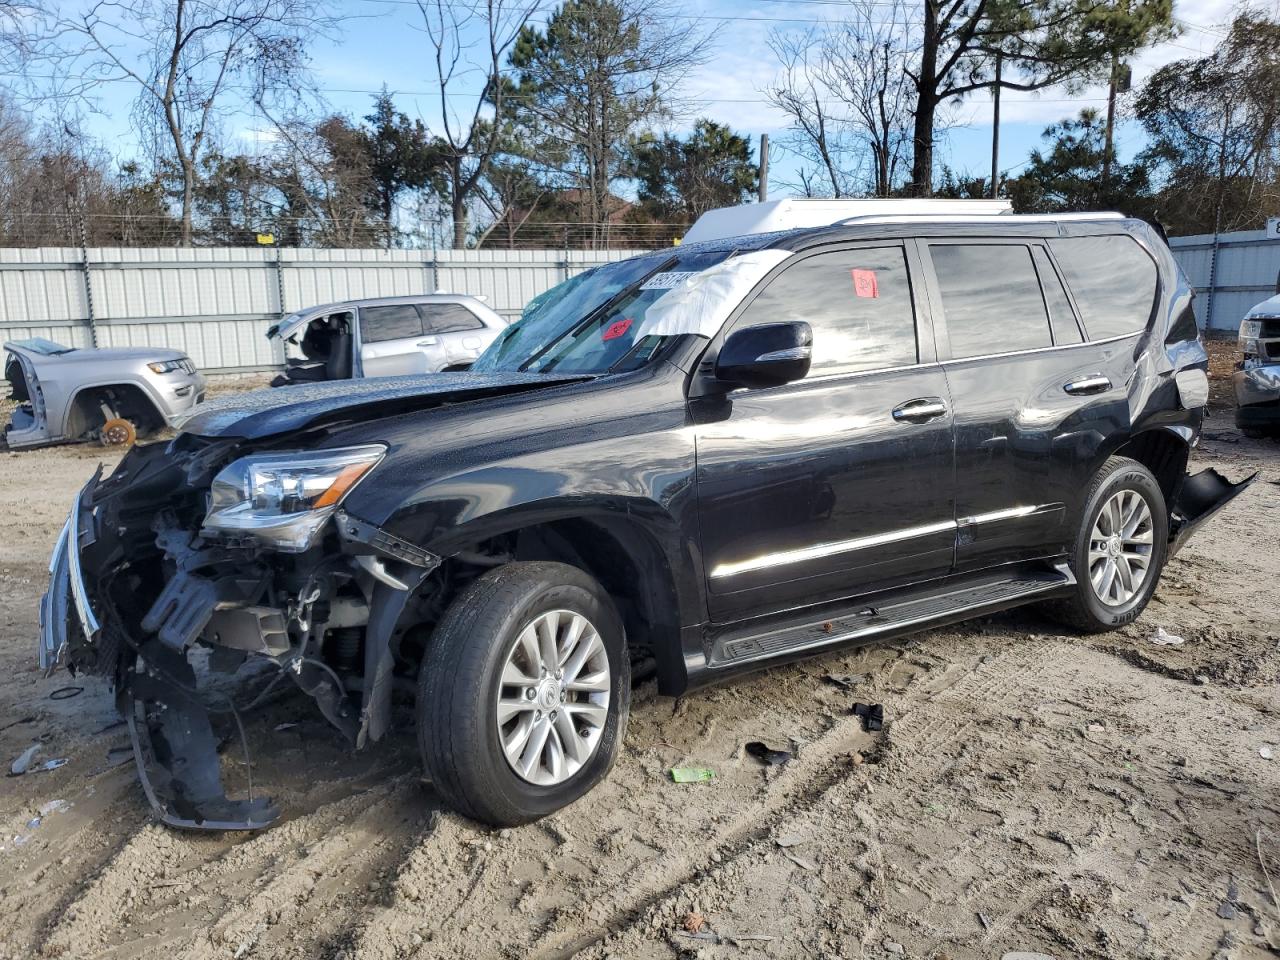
(1032, 404)
(815, 490)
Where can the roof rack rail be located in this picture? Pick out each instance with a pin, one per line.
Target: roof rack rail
(779, 215)
(956, 218)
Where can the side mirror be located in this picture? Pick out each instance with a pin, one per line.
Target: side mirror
(766, 355)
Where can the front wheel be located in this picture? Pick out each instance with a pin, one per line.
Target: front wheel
(1119, 549)
(523, 693)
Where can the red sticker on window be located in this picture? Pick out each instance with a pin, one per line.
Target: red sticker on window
(864, 284)
(616, 329)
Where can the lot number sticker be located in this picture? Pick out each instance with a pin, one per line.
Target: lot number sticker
(864, 284)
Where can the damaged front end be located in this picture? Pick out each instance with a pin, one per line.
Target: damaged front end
(200, 546)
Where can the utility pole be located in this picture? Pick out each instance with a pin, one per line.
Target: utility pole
(995, 131)
(1111, 121)
(764, 167)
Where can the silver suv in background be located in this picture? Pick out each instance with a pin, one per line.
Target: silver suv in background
(113, 395)
(384, 337)
(1257, 379)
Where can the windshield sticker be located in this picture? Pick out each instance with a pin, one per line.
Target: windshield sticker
(616, 329)
(666, 281)
(864, 284)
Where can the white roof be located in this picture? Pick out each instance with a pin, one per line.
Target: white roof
(792, 214)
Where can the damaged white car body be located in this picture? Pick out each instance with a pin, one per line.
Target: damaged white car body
(114, 395)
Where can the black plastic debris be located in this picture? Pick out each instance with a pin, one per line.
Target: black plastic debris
(872, 715)
(766, 754)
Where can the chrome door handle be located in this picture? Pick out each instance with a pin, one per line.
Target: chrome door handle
(1094, 384)
(429, 342)
(920, 410)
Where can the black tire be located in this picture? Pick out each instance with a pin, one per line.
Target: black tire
(458, 689)
(1084, 610)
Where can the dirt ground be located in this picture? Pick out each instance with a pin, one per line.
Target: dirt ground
(1033, 792)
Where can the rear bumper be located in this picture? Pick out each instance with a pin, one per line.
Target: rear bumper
(1202, 495)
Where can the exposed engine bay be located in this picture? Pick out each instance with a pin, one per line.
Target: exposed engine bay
(170, 594)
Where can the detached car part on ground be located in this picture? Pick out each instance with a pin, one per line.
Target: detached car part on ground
(1257, 377)
(384, 337)
(694, 463)
(113, 395)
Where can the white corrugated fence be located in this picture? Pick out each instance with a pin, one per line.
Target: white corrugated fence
(216, 303)
(1231, 272)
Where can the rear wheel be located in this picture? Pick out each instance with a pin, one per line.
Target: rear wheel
(1119, 549)
(523, 693)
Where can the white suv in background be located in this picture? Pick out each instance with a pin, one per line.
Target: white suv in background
(384, 337)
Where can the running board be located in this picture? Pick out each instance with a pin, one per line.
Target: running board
(900, 612)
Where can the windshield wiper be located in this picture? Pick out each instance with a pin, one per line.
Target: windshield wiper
(599, 311)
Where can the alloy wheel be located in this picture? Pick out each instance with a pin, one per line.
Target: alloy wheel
(1120, 548)
(553, 697)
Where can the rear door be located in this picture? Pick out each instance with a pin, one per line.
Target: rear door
(392, 341)
(841, 483)
(455, 329)
(1033, 396)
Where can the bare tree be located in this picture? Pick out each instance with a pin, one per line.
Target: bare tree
(848, 93)
(191, 58)
(472, 135)
(863, 63)
(818, 137)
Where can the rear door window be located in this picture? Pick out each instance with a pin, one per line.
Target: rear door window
(394, 321)
(439, 318)
(1114, 282)
(991, 298)
(858, 302)
(1061, 317)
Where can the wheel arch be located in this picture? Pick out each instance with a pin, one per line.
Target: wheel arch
(643, 567)
(1165, 451)
(79, 416)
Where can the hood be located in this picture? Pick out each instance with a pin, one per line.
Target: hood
(263, 413)
(95, 355)
(1267, 308)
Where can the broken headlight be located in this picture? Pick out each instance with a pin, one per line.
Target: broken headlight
(283, 499)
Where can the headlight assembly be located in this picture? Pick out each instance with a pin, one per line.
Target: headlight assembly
(167, 366)
(282, 499)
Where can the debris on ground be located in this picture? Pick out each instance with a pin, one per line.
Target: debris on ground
(766, 754)
(1164, 639)
(23, 761)
(800, 862)
(54, 806)
(692, 774)
(693, 922)
(845, 681)
(1265, 752)
(54, 764)
(872, 715)
(791, 839)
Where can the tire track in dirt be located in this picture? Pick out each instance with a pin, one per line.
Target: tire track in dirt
(930, 730)
(148, 897)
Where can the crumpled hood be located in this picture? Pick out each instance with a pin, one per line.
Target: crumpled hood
(262, 413)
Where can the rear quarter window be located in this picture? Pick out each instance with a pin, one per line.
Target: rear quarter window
(1114, 282)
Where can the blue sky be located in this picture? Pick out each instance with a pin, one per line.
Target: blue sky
(382, 43)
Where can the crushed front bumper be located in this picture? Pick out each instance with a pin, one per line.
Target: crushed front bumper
(173, 739)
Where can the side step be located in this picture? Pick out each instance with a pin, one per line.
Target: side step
(900, 612)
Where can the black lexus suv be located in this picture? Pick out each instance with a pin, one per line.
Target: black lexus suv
(693, 463)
